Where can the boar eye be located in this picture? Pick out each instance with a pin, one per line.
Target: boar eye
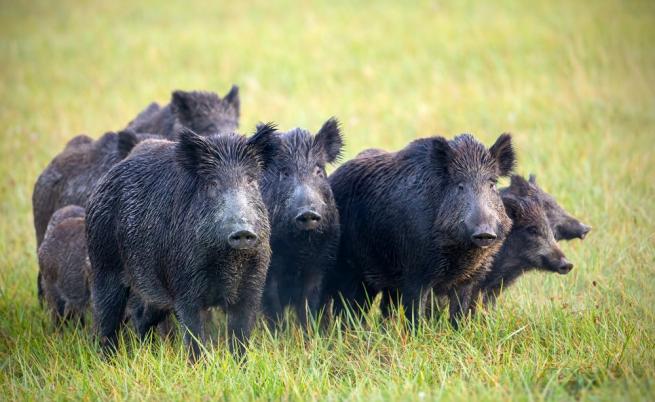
(318, 171)
(284, 173)
(533, 230)
(460, 186)
(493, 183)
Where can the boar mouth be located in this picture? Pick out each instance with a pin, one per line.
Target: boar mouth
(574, 233)
(484, 239)
(561, 266)
(585, 231)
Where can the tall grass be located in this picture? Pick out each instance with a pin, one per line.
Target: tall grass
(573, 81)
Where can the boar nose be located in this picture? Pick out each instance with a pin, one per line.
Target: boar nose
(483, 237)
(584, 230)
(564, 266)
(242, 239)
(308, 220)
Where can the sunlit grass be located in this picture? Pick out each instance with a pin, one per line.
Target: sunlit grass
(574, 83)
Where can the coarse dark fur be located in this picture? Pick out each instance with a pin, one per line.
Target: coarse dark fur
(182, 225)
(71, 175)
(64, 265)
(565, 226)
(426, 217)
(370, 152)
(203, 112)
(145, 115)
(79, 139)
(304, 220)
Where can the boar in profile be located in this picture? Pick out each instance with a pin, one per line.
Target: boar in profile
(530, 244)
(565, 226)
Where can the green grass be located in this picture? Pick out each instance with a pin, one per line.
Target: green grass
(574, 83)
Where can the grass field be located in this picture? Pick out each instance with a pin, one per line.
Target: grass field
(574, 83)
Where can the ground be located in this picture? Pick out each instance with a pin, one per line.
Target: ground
(573, 81)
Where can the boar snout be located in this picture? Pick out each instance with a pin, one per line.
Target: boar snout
(584, 229)
(564, 266)
(483, 236)
(308, 220)
(482, 223)
(309, 205)
(571, 229)
(557, 262)
(242, 239)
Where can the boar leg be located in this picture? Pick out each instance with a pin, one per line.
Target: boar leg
(190, 318)
(39, 288)
(489, 297)
(413, 301)
(311, 297)
(273, 309)
(109, 302)
(359, 303)
(460, 302)
(476, 300)
(240, 320)
(57, 305)
(74, 313)
(149, 318)
(434, 305)
(388, 302)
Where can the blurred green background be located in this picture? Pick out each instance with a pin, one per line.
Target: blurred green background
(573, 81)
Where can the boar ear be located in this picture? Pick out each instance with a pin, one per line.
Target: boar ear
(330, 140)
(232, 104)
(182, 104)
(512, 207)
(503, 152)
(194, 152)
(441, 153)
(261, 125)
(127, 140)
(519, 186)
(532, 178)
(232, 97)
(79, 139)
(265, 142)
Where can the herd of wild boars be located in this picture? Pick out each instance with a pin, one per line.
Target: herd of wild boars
(178, 213)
